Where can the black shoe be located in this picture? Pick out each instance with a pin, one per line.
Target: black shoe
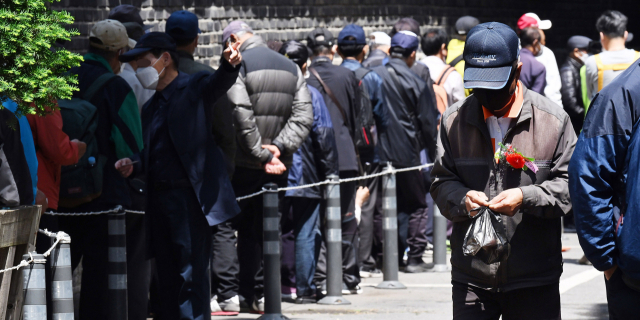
(306, 299)
(418, 268)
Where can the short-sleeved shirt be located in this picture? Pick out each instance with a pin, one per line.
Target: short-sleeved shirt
(626, 56)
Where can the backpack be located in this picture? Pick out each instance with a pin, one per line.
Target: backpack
(442, 101)
(364, 121)
(615, 67)
(82, 182)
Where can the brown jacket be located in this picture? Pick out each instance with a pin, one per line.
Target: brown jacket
(465, 161)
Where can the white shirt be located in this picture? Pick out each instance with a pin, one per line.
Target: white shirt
(454, 86)
(142, 94)
(552, 90)
(608, 57)
(498, 126)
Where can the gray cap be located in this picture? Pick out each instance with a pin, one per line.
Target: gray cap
(466, 23)
(233, 28)
(580, 42)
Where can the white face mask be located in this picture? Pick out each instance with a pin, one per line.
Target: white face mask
(584, 57)
(149, 76)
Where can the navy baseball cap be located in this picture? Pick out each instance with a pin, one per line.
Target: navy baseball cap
(352, 30)
(489, 53)
(182, 25)
(404, 42)
(320, 37)
(148, 42)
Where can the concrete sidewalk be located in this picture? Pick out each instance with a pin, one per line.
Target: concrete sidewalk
(428, 296)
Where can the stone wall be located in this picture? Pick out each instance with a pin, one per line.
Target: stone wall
(293, 19)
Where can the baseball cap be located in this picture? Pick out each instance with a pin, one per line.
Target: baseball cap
(404, 42)
(235, 27)
(182, 25)
(320, 37)
(580, 42)
(295, 51)
(466, 23)
(126, 13)
(532, 20)
(489, 53)
(148, 42)
(352, 30)
(408, 24)
(109, 35)
(380, 38)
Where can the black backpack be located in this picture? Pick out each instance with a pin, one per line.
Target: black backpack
(364, 121)
(82, 182)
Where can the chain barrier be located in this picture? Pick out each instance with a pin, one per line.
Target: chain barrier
(379, 174)
(59, 236)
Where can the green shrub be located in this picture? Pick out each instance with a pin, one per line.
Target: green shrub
(31, 67)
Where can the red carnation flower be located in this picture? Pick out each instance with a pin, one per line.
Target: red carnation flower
(516, 160)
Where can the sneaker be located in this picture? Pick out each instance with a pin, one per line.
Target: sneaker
(354, 290)
(257, 306)
(229, 307)
(244, 305)
(370, 273)
(429, 247)
(418, 268)
(306, 299)
(288, 294)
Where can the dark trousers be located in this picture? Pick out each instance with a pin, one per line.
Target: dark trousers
(412, 213)
(180, 240)
(370, 228)
(535, 303)
(89, 242)
(301, 240)
(623, 301)
(249, 225)
(224, 261)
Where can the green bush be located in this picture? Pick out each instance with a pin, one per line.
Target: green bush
(31, 67)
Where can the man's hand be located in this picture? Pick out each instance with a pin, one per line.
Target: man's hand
(232, 55)
(273, 149)
(362, 195)
(125, 167)
(609, 273)
(507, 202)
(475, 199)
(275, 166)
(82, 147)
(42, 200)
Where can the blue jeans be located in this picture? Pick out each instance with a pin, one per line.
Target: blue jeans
(306, 228)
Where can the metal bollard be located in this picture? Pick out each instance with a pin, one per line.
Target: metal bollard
(35, 297)
(117, 266)
(334, 245)
(271, 254)
(439, 241)
(62, 286)
(390, 228)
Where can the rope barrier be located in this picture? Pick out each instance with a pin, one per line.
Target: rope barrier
(59, 236)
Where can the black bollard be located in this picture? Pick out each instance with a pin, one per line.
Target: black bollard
(62, 276)
(439, 242)
(117, 266)
(390, 229)
(271, 254)
(35, 298)
(334, 245)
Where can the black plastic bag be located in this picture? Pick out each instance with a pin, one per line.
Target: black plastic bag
(486, 238)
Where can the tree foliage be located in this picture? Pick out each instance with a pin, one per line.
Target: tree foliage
(32, 68)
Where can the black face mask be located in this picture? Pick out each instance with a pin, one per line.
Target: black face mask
(494, 100)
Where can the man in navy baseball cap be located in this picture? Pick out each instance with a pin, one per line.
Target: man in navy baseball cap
(404, 44)
(490, 54)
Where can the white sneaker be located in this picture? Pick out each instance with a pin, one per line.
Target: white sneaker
(229, 307)
(258, 306)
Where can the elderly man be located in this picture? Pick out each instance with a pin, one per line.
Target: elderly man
(531, 202)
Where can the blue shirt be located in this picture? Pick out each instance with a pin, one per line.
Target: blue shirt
(27, 144)
(164, 161)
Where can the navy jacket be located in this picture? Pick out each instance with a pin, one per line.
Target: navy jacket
(409, 128)
(318, 155)
(604, 177)
(190, 127)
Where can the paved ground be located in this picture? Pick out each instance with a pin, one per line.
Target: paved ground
(428, 296)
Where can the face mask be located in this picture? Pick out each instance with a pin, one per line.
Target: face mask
(584, 58)
(149, 76)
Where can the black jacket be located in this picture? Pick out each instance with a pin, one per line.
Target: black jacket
(409, 128)
(190, 128)
(572, 92)
(344, 85)
(374, 59)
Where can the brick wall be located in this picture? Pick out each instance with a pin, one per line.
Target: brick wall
(293, 19)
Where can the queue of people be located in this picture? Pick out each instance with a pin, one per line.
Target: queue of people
(181, 140)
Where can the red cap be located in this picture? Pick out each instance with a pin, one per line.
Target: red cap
(527, 22)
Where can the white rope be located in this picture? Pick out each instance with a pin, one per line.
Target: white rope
(114, 210)
(59, 236)
(379, 174)
(22, 263)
